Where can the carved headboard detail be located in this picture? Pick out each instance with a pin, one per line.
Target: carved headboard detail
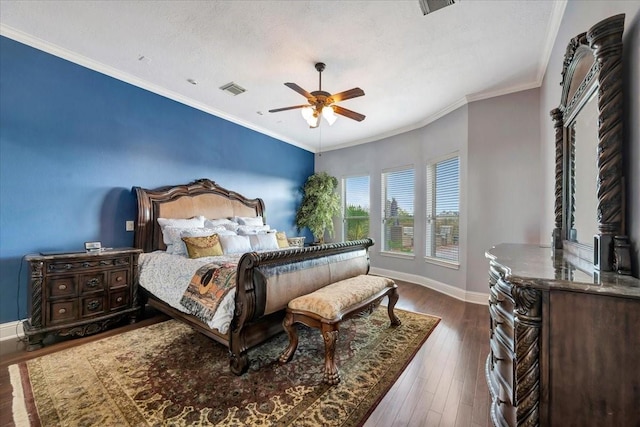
(200, 197)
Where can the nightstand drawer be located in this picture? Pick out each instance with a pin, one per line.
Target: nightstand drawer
(92, 306)
(62, 286)
(118, 279)
(90, 283)
(119, 299)
(62, 311)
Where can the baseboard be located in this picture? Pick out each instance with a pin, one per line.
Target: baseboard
(452, 291)
(11, 330)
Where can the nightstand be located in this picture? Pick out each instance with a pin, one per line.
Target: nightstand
(80, 293)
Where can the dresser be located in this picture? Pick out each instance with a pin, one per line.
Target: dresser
(565, 341)
(80, 293)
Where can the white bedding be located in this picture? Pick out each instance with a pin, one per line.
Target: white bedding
(167, 276)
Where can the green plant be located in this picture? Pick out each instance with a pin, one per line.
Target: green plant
(320, 204)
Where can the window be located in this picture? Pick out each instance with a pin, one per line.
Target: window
(355, 207)
(443, 210)
(397, 210)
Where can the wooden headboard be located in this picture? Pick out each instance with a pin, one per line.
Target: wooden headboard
(200, 197)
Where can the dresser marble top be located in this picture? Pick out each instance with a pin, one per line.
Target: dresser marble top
(545, 268)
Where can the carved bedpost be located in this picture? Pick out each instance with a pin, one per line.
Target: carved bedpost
(556, 115)
(605, 38)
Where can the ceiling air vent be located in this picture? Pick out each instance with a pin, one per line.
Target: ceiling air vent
(233, 89)
(429, 6)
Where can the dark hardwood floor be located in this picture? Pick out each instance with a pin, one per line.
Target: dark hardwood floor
(444, 384)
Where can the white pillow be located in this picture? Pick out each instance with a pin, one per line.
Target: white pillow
(226, 223)
(173, 237)
(235, 244)
(255, 221)
(264, 242)
(195, 222)
(246, 230)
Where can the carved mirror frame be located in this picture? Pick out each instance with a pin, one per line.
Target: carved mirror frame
(593, 62)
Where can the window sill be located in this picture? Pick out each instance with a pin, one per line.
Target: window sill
(397, 255)
(442, 263)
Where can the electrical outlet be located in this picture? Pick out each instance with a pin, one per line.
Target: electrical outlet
(129, 226)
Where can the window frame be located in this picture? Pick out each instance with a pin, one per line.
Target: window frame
(344, 203)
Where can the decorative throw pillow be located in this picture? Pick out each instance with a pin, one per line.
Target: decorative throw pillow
(281, 238)
(235, 244)
(264, 242)
(198, 247)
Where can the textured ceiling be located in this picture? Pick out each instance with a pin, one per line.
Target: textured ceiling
(413, 68)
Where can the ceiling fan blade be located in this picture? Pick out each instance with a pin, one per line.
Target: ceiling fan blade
(288, 108)
(348, 113)
(347, 94)
(301, 91)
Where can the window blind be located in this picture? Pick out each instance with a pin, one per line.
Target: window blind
(398, 192)
(443, 209)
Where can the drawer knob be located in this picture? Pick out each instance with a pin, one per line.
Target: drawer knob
(92, 283)
(62, 311)
(62, 287)
(86, 264)
(119, 299)
(119, 279)
(93, 305)
(68, 266)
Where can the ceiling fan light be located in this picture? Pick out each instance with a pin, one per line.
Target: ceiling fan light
(307, 113)
(314, 121)
(328, 114)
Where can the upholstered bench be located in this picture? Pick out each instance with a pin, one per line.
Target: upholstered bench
(328, 306)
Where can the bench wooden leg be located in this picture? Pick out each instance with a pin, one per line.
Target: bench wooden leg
(292, 332)
(393, 299)
(330, 337)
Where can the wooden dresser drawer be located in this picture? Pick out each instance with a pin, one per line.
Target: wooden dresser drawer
(119, 299)
(92, 306)
(502, 365)
(64, 286)
(93, 282)
(118, 279)
(502, 324)
(62, 311)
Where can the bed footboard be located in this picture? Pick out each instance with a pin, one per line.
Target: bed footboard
(267, 281)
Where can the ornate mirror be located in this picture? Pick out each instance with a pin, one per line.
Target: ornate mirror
(589, 185)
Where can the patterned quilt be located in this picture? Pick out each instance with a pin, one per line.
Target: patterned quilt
(207, 288)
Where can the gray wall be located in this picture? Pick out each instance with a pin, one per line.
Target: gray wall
(504, 177)
(579, 16)
(444, 136)
(497, 140)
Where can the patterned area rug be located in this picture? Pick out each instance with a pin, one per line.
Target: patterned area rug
(167, 374)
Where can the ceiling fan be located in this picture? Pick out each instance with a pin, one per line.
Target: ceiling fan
(322, 103)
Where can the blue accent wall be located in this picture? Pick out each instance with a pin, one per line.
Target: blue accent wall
(73, 142)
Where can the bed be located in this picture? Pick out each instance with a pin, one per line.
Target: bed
(264, 281)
